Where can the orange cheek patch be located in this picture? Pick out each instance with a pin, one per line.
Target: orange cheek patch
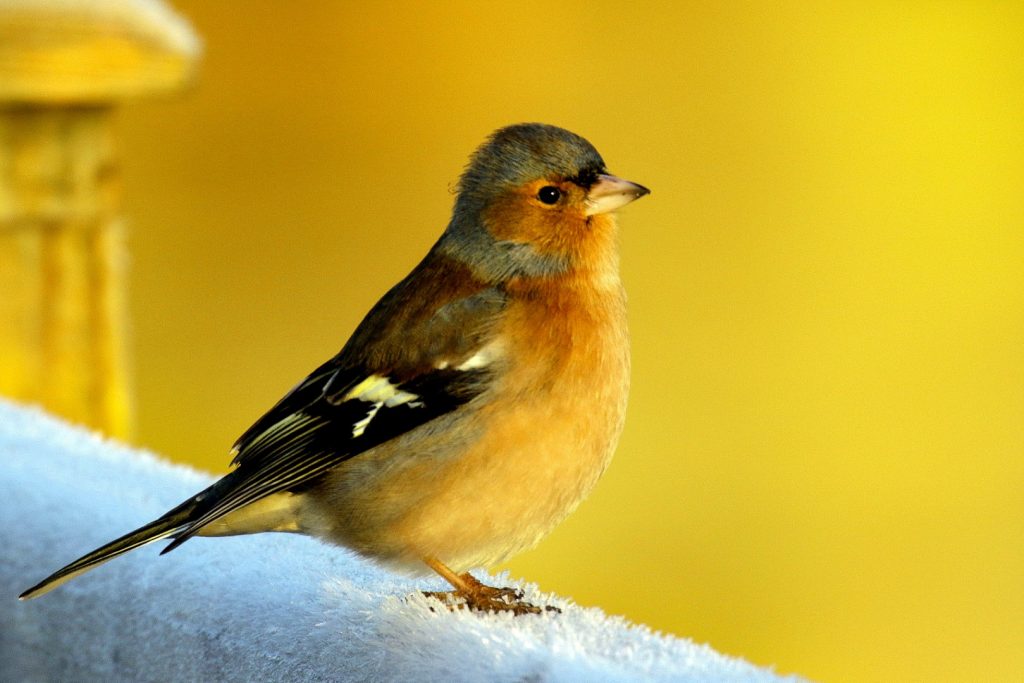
(550, 231)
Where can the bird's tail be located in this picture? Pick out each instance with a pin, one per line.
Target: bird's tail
(172, 522)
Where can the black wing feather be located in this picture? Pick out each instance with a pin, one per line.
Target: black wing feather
(301, 396)
(320, 436)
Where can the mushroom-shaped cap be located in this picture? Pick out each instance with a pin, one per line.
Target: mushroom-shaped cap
(92, 51)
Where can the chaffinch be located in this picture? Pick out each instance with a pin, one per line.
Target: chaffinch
(476, 404)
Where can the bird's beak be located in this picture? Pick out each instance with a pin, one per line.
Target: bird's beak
(610, 193)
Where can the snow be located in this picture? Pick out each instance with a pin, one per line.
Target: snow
(263, 607)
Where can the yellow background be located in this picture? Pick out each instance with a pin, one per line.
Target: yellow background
(822, 466)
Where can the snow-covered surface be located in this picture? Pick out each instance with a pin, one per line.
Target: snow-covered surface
(264, 607)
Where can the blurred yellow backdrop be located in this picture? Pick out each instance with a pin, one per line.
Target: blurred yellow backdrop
(822, 466)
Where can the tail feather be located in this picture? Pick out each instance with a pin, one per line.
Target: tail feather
(169, 524)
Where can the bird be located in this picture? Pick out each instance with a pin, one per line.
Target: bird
(473, 408)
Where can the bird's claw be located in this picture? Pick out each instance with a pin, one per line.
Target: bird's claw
(489, 599)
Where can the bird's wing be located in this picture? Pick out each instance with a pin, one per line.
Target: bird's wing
(381, 385)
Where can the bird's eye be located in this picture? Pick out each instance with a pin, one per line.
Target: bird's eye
(549, 194)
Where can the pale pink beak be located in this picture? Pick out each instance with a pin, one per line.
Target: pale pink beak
(610, 193)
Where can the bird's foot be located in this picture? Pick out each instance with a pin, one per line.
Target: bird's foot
(484, 598)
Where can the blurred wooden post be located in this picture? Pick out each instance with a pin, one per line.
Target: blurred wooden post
(63, 69)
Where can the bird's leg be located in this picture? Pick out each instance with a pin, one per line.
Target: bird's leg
(478, 596)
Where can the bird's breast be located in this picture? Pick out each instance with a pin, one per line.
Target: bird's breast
(545, 435)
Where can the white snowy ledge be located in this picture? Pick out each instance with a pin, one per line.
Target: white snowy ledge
(265, 607)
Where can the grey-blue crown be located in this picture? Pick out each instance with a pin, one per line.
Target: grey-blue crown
(524, 152)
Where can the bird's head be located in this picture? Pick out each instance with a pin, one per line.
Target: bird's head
(535, 200)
